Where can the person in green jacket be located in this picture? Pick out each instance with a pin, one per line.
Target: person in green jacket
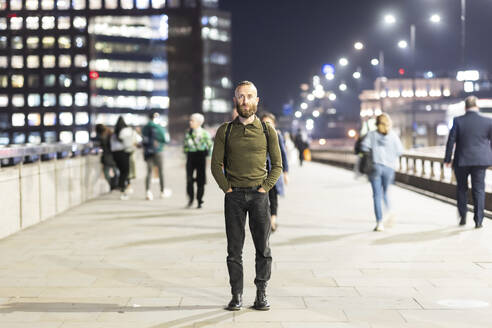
(239, 160)
(154, 139)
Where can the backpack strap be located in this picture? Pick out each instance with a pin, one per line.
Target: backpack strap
(265, 131)
(227, 133)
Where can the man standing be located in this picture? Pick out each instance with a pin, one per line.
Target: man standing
(472, 134)
(154, 139)
(239, 167)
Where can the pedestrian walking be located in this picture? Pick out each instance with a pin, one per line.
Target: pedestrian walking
(239, 167)
(197, 147)
(103, 137)
(279, 187)
(471, 137)
(385, 148)
(155, 137)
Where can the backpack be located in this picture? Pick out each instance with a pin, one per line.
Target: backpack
(149, 142)
(228, 132)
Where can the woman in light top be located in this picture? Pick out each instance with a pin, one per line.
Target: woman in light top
(386, 148)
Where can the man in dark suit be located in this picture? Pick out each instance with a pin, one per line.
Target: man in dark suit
(472, 134)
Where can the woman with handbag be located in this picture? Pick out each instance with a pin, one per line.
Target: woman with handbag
(385, 148)
(197, 146)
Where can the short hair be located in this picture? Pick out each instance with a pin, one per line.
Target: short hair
(153, 115)
(384, 119)
(268, 115)
(240, 84)
(470, 102)
(197, 117)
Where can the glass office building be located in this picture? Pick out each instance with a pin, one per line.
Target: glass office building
(67, 65)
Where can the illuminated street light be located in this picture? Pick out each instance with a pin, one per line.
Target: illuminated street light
(332, 97)
(315, 113)
(298, 114)
(358, 46)
(389, 19)
(356, 75)
(330, 76)
(343, 61)
(351, 133)
(374, 62)
(342, 87)
(310, 97)
(402, 44)
(304, 106)
(435, 18)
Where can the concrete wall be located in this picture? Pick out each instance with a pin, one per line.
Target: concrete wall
(31, 193)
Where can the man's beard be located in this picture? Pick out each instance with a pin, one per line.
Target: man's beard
(247, 112)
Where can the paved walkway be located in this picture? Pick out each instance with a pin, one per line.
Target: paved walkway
(117, 264)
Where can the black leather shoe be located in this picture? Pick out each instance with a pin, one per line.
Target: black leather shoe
(261, 302)
(478, 226)
(236, 303)
(462, 222)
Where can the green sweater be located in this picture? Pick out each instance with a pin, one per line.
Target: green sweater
(246, 156)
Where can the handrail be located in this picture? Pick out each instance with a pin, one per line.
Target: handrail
(19, 151)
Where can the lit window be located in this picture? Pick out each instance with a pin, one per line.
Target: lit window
(15, 23)
(48, 42)
(49, 80)
(17, 81)
(50, 136)
(33, 100)
(78, 4)
(65, 80)
(3, 62)
(34, 137)
(4, 100)
(66, 99)
(80, 41)
(47, 4)
(95, 4)
(82, 137)
(17, 62)
(173, 3)
(80, 61)
(63, 4)
(4, 138)
(33, 81)
(157, 4)
(64, 42)
(31, 4)
(79, 22)
(81, 118)
(32, 42)
(81, 99)
(126, 4)
(111, 4)
(49, 119)
(48, 22)
(18, 100)
(3, 23)
(17, 42)
(32, 23)
(49, 100)
(3, 42)
(63, 23)
(49, 61)
(64, 61)
(66, 137)
(66, 118)
(18, 119)
(142, 4)
(3, 81)
(19, 138)
(15, 4)
(32, 61)
(34, 119)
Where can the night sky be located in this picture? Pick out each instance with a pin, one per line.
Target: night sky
(279, 44)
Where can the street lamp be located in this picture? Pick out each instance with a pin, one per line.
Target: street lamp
(343, 61)
(389, 19)
(358, 45)
(402, 44)
(435, 18)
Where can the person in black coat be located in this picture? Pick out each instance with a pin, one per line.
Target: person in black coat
(472, 135)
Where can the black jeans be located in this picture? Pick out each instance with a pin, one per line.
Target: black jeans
(122, 159)
(237, 205)
(196, 161)
(478, 190)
